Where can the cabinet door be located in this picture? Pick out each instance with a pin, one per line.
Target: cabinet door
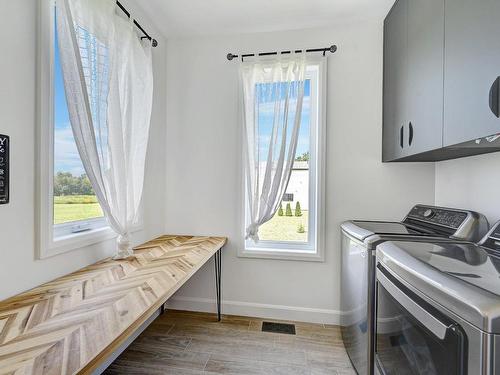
(395, 81)
(472, 64)
(425, 75)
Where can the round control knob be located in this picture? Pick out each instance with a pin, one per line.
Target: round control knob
(428, 213)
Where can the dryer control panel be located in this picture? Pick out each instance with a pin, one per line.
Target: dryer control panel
(492, 239)
(495, 232)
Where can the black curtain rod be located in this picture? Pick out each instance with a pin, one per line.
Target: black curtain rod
(331, 49)
(154, 42)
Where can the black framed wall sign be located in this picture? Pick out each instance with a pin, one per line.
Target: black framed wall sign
(4, 169)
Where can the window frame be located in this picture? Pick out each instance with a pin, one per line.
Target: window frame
(54, 239)
(313, 250)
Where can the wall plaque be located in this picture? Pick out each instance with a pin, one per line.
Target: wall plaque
(4, 169)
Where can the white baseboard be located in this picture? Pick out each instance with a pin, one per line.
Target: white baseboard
(258, 310)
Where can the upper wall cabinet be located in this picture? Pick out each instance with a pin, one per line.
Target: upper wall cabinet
(472, 65)
(413, 78)
(441, 92)
(425, 74)
(395, 81)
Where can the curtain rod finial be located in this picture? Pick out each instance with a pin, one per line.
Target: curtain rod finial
(154, 43)
(230, 56)
(333, 48)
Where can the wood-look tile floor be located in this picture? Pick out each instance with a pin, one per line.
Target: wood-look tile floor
(188, 343)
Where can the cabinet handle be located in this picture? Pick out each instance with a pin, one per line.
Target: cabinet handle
(410, 137)
(401, 136)
(494, 94)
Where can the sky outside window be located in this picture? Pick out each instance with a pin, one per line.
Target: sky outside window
(266, 94)
(66, 156)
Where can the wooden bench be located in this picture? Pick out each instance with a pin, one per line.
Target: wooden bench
(81, 322)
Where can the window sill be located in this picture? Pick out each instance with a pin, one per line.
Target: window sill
(76, 241)
(282, 254)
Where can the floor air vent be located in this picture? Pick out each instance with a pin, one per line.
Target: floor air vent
(278, 328)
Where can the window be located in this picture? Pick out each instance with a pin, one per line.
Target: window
(69, 214)
(295, 231)
(75, 205)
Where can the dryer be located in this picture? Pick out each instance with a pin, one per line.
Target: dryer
(438, 307)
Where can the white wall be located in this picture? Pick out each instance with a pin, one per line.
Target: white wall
(204, 169)
(471, 183)
(18, 268)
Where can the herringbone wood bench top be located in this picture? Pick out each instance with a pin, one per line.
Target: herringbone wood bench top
(73, 323)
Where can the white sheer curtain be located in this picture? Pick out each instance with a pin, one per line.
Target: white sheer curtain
(273, 93)
(108, 82)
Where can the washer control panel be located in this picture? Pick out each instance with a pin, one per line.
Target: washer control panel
(439, 216)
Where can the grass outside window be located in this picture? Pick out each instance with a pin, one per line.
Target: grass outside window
(286, 228)
(69, 208)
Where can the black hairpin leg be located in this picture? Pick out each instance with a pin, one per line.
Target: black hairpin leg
(218, 270)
